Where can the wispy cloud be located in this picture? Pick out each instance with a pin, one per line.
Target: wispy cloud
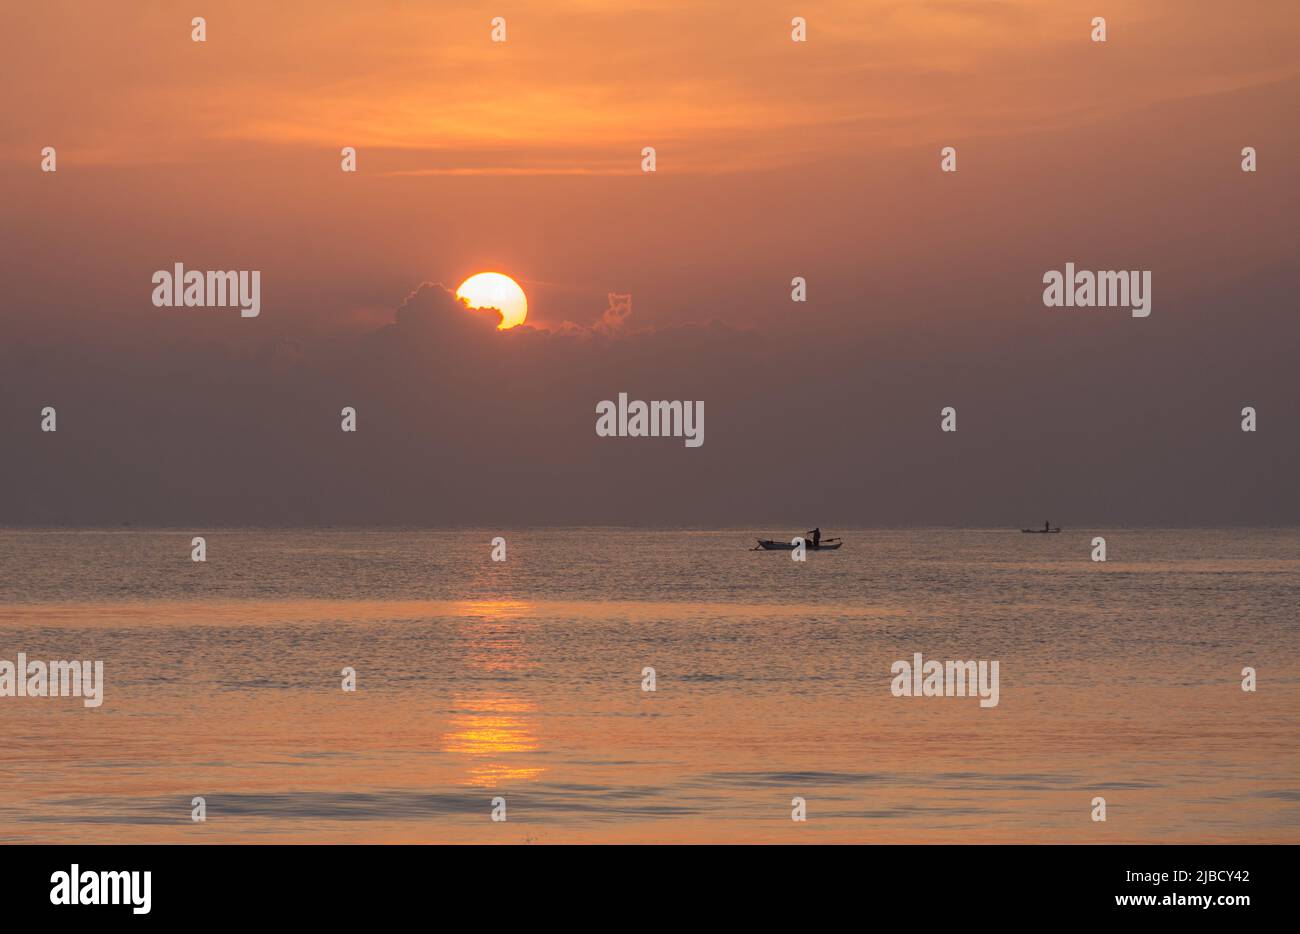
(723, 80)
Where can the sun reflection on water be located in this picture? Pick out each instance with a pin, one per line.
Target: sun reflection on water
(489, 730)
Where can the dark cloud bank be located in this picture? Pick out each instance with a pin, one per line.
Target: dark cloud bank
(460, 424)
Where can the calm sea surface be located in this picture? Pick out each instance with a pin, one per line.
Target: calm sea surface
(523, 680)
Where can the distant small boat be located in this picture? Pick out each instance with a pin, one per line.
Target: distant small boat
(1040, 531)
(767, 544)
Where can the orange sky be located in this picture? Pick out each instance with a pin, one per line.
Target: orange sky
(245, 129)
(775, 159)
(579, 85)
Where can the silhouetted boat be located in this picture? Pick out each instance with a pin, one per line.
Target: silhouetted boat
(1040, 531)
(767, 544)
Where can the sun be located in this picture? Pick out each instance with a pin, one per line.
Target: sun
(495, 290)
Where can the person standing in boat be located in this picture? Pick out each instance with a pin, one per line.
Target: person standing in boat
(816, 536)
(1047, 526)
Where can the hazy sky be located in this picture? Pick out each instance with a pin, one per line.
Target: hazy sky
(775, 159)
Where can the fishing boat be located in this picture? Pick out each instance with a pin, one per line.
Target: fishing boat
(1040, 531)
(767, 544)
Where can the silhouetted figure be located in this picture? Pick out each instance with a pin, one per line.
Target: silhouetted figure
(816, 537)
(1047, 526)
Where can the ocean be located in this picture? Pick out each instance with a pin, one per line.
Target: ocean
(519, 686)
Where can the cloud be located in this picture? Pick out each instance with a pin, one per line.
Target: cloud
(433, 312)
(878, 72)
(460, 423)
(432, 306)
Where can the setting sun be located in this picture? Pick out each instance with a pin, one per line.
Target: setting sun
(494, 290)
